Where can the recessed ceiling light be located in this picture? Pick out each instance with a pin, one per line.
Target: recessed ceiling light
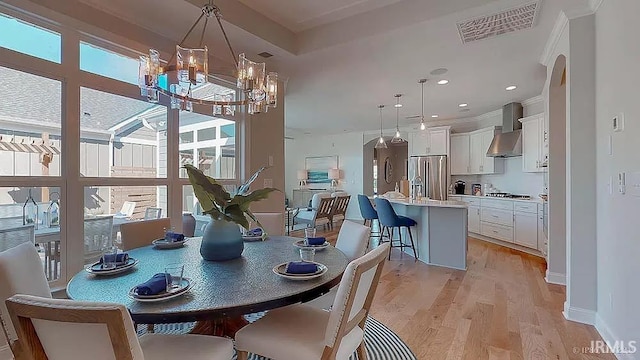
(443, 82)
(463, 105)
(398, 105)
(439, 71)
(434, 116)
(512, 87)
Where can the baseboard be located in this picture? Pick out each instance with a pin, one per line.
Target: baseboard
(609, 337)
(5, 353)
(507, 244)
(583, 316)
(555, 278)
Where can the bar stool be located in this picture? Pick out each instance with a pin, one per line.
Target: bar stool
(369, 214)
(389, 219)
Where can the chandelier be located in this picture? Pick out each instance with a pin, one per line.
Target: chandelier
(190, 70)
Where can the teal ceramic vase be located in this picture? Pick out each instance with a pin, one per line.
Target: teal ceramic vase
(221, 240)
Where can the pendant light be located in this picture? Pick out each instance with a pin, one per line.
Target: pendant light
(381, 144)
(397, 138)
(422, 126)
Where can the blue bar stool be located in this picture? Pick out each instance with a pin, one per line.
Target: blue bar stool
(389, 219)
(369, 214)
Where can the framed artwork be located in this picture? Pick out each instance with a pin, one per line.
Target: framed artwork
(318, 168)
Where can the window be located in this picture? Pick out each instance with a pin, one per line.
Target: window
(97, 60)
(207, 134)
(29, 39)
(30, 141)
(186, 137)
(228, 131)
(121, 137)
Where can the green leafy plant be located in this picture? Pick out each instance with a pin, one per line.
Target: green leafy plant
(220, 204)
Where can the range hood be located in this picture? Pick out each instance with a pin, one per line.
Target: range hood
(509, 142)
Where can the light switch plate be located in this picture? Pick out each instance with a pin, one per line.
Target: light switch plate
(268, 183)
(270, 160)
(622, 186)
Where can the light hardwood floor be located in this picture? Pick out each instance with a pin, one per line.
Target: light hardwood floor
(501, 308)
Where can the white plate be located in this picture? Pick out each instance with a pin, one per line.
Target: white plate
(280, 271)
(119, 269)
(185, 285)
(163, 244)
(252, 238)
(300, 244)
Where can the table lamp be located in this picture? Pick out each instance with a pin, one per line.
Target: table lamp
(334, 175)
(302, 176)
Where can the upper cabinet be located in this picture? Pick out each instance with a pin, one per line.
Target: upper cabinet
(535, 148)
(432, 141)
(469, 153)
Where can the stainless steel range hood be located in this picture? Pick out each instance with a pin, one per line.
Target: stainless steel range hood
(509, 142)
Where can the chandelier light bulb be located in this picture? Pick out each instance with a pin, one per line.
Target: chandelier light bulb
(397, 134)
(423, 126)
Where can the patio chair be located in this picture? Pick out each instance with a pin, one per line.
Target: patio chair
(305, 332)
(94, 231)
(15, 236)
(151, 213)
(320, 212)
(67, 329)
(21, 272)
(126, 211)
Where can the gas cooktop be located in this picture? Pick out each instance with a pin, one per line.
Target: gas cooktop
(509, 196)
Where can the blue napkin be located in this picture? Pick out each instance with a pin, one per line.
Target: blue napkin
(155, 285)
(120, 258)
(301, 267)
(173, 237)
(254, 232)
(315, 241)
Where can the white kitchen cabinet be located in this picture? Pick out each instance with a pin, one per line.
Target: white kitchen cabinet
(432, 141)
(534, 147)
(526, 229)
(475, 153)
(488, 163)
(474, 219)
(542, 238)
(460, 154)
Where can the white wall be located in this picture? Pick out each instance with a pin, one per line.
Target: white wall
(512, 180)
(618, 258)
(349, 149)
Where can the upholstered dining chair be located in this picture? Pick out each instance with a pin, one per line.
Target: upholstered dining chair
(353, 241)
(273, 223)
(305, 332)
(137, 234)
(21, 272)
(66, 329)
(320, 212)
(369, 213)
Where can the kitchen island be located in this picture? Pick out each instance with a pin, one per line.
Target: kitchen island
(441, 232)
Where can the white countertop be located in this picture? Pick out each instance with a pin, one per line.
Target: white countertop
(533, 199)
(432, 203)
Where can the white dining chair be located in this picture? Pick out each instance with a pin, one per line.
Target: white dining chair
(58, 329)
(273, 223)
(353, 241)
(21, 272)
(305, 332)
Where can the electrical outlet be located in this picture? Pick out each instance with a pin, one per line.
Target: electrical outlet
(268, 183)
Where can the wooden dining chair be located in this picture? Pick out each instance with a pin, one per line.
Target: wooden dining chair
(21, 272)
(305, 332)
(353, 241)
(137, 234)
(66, 329)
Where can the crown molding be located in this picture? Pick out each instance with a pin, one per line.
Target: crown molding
(595, 5)
(488, 115)
(534, 100)
(561, 23)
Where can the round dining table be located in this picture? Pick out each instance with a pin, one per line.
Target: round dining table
(227, 289)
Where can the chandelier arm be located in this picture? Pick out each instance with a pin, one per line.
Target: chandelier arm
(186, 36)
(204, 28)
(226, 38)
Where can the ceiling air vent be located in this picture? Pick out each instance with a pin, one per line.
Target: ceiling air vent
(515, 19)
(265, 54)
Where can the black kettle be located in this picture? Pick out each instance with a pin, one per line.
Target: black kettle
(458, 187)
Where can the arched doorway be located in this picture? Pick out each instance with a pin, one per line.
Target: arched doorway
(395, 156)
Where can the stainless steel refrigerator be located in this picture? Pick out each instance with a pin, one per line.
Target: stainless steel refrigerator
(434, 173)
